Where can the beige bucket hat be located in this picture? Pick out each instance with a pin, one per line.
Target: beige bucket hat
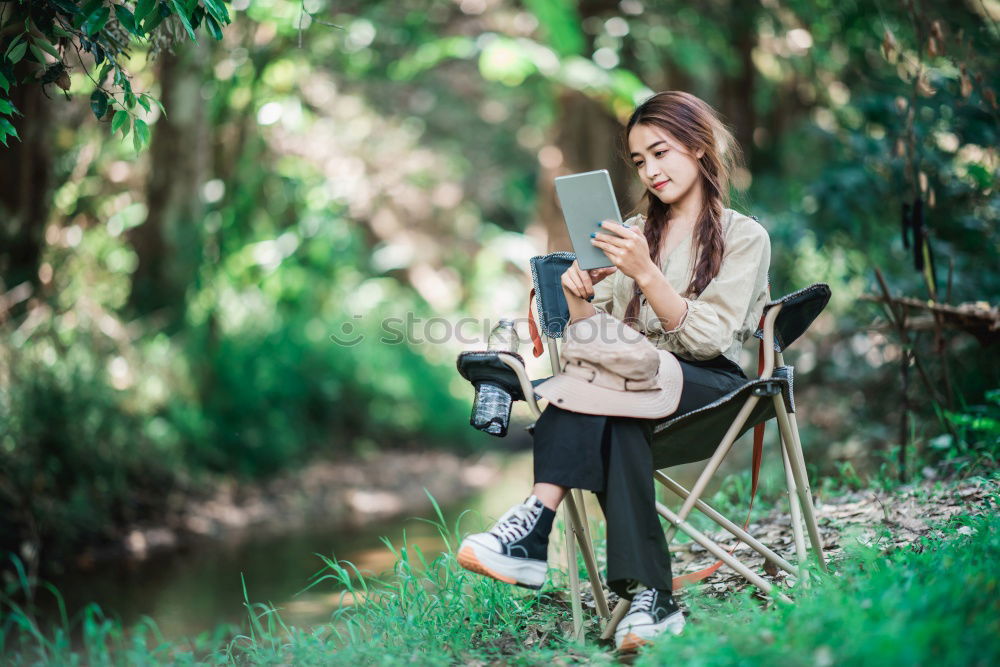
(609, 368)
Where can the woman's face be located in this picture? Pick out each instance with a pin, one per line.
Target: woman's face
(667, 169)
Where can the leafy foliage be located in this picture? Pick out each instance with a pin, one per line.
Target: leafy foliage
(50, 36)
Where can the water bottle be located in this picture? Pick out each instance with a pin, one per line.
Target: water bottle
(491, 408)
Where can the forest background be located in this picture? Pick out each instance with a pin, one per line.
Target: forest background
(183, 238)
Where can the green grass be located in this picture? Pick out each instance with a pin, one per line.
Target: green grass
(936, 604)
(427, 612)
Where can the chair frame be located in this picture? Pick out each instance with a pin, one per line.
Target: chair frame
(577, 529)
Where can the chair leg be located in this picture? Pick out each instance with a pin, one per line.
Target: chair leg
(574, 575)
(713, 463)
(568, 520)
(794, 449)
(733, 528)
(795, 510)
(621, 609)
(575, 510)
(717, 551)
(817, 540)
(581, 510)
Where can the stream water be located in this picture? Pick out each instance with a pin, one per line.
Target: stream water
(198, 587)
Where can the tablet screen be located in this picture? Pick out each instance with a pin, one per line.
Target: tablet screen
(587, 199)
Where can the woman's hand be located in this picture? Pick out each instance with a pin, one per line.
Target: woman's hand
(629, 250)
(579, 283)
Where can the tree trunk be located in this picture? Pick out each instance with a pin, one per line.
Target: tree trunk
(169, 242)
(25, 187)
(736, 92)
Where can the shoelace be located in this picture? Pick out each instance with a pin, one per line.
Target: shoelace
(644, 601)
(515, 524)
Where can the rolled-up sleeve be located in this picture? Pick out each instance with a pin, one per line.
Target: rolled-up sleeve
(713, 319)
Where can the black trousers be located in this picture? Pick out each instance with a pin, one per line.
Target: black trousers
(611, 456)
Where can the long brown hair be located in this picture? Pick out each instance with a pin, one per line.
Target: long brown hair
(697, 126)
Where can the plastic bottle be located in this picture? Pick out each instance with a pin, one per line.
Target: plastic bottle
(491, 408)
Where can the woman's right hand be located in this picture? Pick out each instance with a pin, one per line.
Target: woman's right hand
(579, 283)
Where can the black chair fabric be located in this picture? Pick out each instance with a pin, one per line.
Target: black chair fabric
(694, 436)
(485, 366)
(546, 271)
(798, 310)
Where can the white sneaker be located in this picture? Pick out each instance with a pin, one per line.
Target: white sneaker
(515, 549)
(651, 613)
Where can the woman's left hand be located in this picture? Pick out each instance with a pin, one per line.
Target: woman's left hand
(629, 250)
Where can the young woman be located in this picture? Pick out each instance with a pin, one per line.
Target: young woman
(691, 275)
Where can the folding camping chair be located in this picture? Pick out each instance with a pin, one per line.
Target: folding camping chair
(708, 432)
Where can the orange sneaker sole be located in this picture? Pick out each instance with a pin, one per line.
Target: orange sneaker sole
(632, 642)
(467, 559)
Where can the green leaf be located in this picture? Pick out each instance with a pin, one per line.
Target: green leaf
(144, 102)
(49, 48)
(126, 18)
(15, 54)
(130, 100)
(155, 18)
(136, 141)
(67, 7)
(213, 27)
(99, 103)
(17, 40)
(6, 107)
(159, 104)
(39, 54)
(96, 21)
(142, 131)
(143, 8)
(4, 83)
(196, 15)
(84, 13)
(185, 18)
(218, 10)
(71, 8)
(120, 119)
(7, 129)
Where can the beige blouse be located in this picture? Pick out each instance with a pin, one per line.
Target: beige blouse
(725, 314)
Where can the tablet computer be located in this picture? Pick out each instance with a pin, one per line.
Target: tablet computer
(586, 200)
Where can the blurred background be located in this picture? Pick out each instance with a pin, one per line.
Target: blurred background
(169, 316)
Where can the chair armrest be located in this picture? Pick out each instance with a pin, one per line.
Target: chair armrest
(767, 338)
(799, 309)
(505, 369)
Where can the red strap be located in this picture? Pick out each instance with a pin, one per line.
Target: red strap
(536, 339)
(758, 456)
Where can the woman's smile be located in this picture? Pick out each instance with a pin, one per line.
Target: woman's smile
(659, 185)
